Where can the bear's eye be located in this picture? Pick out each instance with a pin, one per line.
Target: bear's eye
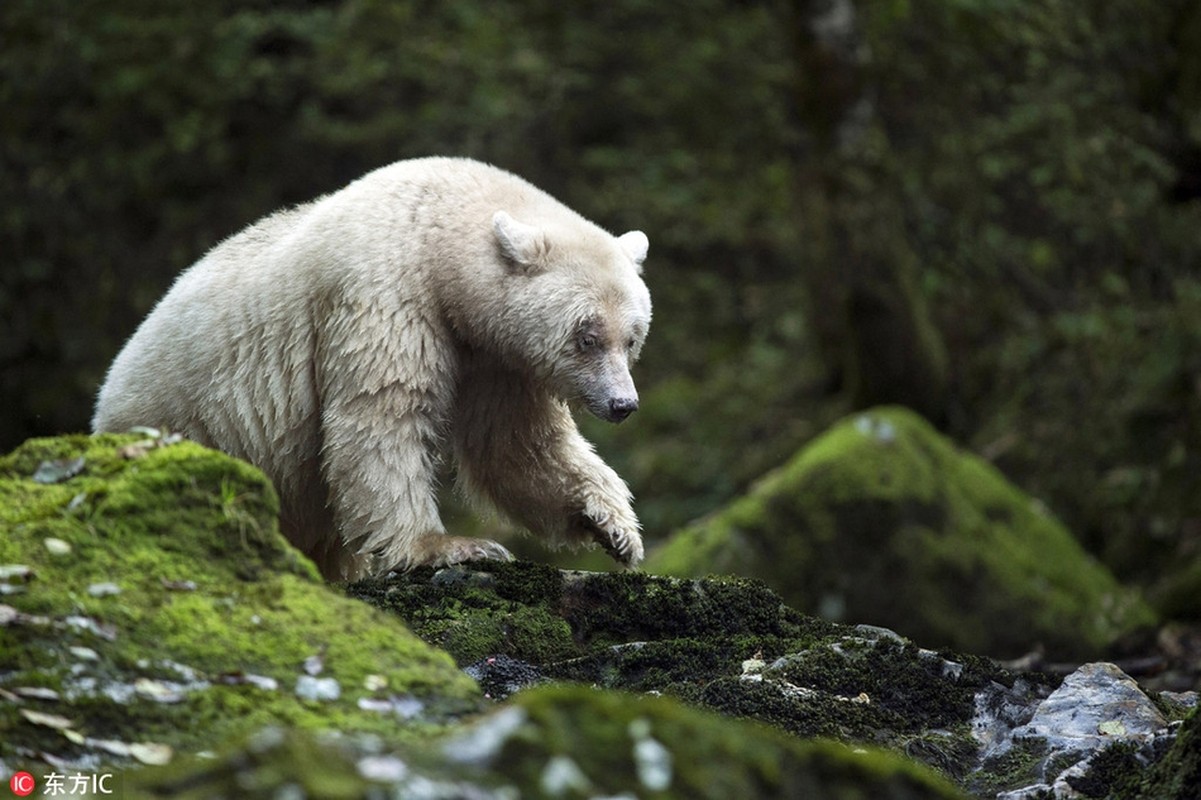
(586, 341)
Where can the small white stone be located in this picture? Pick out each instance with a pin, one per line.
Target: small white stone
(384, 769)
(57, 547)
(562, 775)
(309, 687)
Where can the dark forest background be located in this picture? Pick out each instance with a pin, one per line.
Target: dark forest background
(987, 210)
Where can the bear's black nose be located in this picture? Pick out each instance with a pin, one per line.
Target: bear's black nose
(622, 407)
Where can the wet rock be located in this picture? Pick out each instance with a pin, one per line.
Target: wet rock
(500, 676)
(1097, 713)
(1096, 705)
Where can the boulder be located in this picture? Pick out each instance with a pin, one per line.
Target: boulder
(149, 605)
(731, 645)
(883, 520)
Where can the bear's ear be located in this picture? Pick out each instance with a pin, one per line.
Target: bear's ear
(635, 244)
(522, 244)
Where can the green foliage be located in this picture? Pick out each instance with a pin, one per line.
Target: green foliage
(983, 210)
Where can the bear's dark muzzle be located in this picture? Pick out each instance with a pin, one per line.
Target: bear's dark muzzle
(622, 407)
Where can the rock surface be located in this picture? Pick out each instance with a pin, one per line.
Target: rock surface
(883, 520)
(731, 645)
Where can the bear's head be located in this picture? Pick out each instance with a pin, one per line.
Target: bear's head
(576, 308)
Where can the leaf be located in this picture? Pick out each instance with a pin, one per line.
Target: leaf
(117, 748)
(18, 571)
(36, 692)
(103, 630)
(157, 691)
(143, 430)
(134, 451)
(151, 753)
(1113, 727)
(46, 720)
(103, 589)
(58, 470)
(10, 616)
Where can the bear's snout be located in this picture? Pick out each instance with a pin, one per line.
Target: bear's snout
(622, 407)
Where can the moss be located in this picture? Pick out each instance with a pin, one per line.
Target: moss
(883, 520)
(691, 639)
(537, 613)
(711, 757)
(563, 741)
(1177, 776)
(1013, 769)
(1112, 767)
(271, 763)
(209, 599)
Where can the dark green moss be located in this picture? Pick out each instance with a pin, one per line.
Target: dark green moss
(724, 643)
(1115, 766)
(1177, 776)
(539, 614)
(1013, 769)
(710, 758)
(806, 715)
(906, 686)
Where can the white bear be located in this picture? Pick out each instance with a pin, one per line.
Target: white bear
(434, 306)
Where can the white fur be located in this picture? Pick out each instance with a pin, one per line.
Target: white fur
(345, 345)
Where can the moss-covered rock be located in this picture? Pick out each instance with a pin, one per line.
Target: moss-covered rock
(726, 644)
(564, 741)
(883, 520)
(1176, 777)
(147, 598)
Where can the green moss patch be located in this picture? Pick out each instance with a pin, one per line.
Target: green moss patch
(883, 520)
(147, 597)
(558, 742)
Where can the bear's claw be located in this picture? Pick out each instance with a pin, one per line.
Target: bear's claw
(624, 547)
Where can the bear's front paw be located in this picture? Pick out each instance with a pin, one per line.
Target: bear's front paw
(441, 550)
(624, 544)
